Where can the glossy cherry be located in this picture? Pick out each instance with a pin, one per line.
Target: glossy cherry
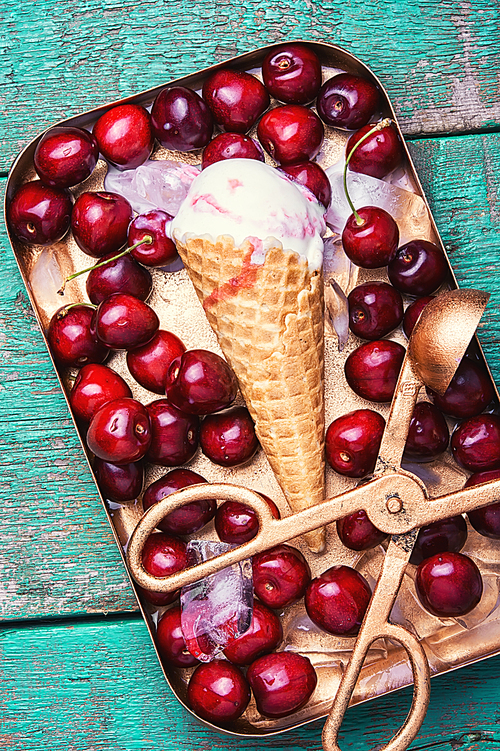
(186, 519)
(375, 309)
(235, 98)
(358, 533)
(200, 382)
(485, 520)
(412, 313)
(448, 584)
(181, 119)
(291, 133)
(280, 576)
(312, 177)
(119, 482)
(71, 339)
(149, 363)
(476, 443)
(292, 73)
(372, 370)
(94, 386)
(125, 135)
(124, 322)
(162, 250)
(170, 640)
(39, 214)
(263, 635)
(379, 154)
(100, 222)
(428, 434)
(337, 600)
(174, 434)
(469, 392)
(236, 523)
(347, 101)
(445, 536)
(282, 682)
(231, 146)
(120, 431)
(65, 156)
(370, 241)
(228, 438)
(418, 268)
(218, 692)
(119, 275)
(163, 555)
(352, 442)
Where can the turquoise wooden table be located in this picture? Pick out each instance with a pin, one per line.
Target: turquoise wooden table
(77, 670)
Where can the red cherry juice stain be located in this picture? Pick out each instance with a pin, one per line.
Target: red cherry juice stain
(245, 279)
(210, 200)
(234, 183)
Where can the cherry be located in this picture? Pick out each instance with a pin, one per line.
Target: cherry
(337, 600)
(119, 482)
(174, 434)
(313, 177)
(370, 237)
(292, 73)
(445, 536)
(124, 322)
(149, 363)
(412, 313)
(448, 584)
(94, 386)
(352, 442)
(237, 523)
(231, 146)
(418, 268)
(200, 382)
(186, 519)
(375, 309)
(39, 214)
(163, 555)
(476, 443)
(291, 133)
(428, 434)
(485, 520)
(162, 250)
(120, 431)
(100, 222)
(118, 275)
(70, 337)
(379, 154)
(236, 99)
(372, 370)
(280, 576)
(263, 635)
(469, 392)
(170, 640)
(347, 101)
(281, 682)
(65, 156)
(181, 120)
(125, 135)
(228, 438)
(358, 533)
(218, 692)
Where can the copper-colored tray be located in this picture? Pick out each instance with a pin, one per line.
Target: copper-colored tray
(448, 643)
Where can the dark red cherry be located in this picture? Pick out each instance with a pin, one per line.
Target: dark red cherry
(162, 250)
(428, 434)
(379, 154)
(125, 135)
(119, 482)
(292, 73)
(236, 99)
(281, 682)
(352, 442)
(181, 119)
(445, 536)
(280, 576)
(200, 382)
(231, 146)
(372, 370)
(163, 555)
(65, 156)
(373, 241)
(228, 438)
(94, 386)
(174, 434)
(124, 322)
(476, 443)
(263, 635)
(71, 339)
(412, 313)
(186, 519)
(170, 640)
(121, 275)
(469, 392)
(347, 101)
(418, 268)
(39, 214)
(149, 363)
(120, 431)
(448, 584)
(485, 520)
(100, 222)
(375, 309)
(291, 133)
(312, 177)
(218, 692)
(237, 523)
(358, 533)
(337, 600)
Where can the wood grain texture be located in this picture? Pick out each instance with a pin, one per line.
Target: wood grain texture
(439, 62)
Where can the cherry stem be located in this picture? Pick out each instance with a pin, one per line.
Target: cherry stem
(146, 240)
(379, 126)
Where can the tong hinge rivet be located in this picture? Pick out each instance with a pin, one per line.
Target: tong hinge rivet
(394, 504)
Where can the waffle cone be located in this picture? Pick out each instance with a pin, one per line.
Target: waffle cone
(268, 319)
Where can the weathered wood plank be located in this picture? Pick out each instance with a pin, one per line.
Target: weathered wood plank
(438, 61)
